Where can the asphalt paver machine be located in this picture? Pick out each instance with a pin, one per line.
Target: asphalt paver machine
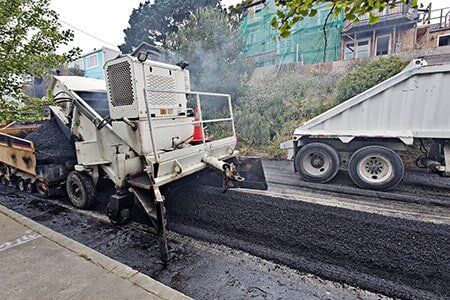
(135, 129)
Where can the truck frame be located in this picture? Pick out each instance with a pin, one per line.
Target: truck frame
(366, 132)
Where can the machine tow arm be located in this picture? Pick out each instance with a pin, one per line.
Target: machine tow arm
(229, 170)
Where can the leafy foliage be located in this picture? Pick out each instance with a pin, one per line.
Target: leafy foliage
(270, 110)
(238, 10)
(154, 21)
(368, 74)
(293, 11)
(29, 36)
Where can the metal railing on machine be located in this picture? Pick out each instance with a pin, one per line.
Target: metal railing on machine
(200, 122)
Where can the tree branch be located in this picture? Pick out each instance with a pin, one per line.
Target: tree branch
(325, 32)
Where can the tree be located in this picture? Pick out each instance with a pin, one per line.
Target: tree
(153, 22)
(212, 44)
(293, 11)
(237, 11)
(29, 37)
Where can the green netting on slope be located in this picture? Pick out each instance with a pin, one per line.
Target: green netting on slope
(306, 43)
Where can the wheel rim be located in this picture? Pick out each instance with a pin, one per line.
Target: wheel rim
(21, 185)
(316, 163)
(42, 188)
(76, 191)
(30, 187)
(375, 169)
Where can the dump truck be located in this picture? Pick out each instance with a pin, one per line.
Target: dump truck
(366, 133)
(134, 129)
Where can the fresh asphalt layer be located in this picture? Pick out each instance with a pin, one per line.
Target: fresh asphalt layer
(394, 256)
(198, 269)
(391, 255)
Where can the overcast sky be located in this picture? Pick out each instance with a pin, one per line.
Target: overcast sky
(106, 19)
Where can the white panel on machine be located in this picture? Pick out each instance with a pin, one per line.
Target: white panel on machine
(165, 78)
(127, 78)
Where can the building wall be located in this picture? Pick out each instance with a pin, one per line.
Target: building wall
(432, 55)
(428, 38)
(402, 39)
(407, 38)
(96, 71)
(306, 43)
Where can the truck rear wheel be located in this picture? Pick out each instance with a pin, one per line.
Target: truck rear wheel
(317, 162)
(376, 168)
(80, 189)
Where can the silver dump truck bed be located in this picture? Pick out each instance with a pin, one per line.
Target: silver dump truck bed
(365, 131)
(413, 104)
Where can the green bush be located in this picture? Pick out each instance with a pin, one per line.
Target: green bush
(270, 110)
(368, 74)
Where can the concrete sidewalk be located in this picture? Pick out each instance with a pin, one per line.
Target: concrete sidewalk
(38, 263)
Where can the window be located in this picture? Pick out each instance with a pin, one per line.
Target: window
(383, 45)
(92, 61)
(363, 49)
(357, 49)
(444, 40)
(349, 51)
(254, 37)
(256, 14)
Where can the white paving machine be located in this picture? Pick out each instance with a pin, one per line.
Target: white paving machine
(135, 129)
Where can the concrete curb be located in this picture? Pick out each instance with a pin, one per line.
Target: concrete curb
(108, 264)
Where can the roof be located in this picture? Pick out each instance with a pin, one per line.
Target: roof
(82, 84)
(99, 50)
(147, 48)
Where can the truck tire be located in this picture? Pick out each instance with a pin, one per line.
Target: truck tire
(81, 190)
(376, 167)
(317, 162)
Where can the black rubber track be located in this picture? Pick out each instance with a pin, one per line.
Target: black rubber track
(393, 256)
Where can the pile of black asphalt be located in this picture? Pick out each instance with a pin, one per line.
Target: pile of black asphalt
(393, 256)
(51, 145)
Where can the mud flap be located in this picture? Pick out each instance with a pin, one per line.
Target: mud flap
(252, 170)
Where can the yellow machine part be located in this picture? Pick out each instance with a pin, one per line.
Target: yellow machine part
(17, 153)
(18, 131)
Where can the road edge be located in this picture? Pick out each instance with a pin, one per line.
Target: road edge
(108, 264)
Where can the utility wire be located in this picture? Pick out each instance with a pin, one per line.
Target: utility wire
(88, 34)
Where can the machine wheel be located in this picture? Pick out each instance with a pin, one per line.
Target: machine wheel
(376, 168)
(42, 189)
(14, 182)
(119, 218)
(21, 184)
(317, 162)
(30, 187)
(80, 189)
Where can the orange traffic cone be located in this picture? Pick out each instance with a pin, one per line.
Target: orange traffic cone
(198, 133)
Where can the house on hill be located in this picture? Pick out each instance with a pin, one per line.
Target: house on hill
(92, 63)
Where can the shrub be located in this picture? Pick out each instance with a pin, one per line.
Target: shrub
(271, 109)
(368, 74)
